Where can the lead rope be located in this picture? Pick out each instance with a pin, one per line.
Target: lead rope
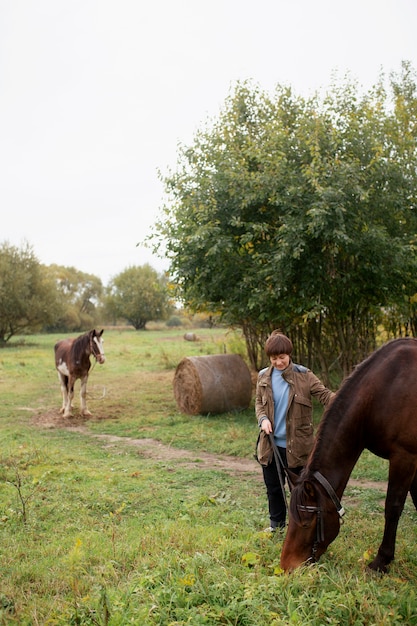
(279, 462)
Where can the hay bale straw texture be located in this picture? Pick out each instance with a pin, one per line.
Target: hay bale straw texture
(190, 337)
(212, 384)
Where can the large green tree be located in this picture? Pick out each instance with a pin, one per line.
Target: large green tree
(28, 298)
(300, 214)
(138, 294)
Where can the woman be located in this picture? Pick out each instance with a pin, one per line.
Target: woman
(284, 407)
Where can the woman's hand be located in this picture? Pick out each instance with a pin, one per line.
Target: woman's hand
(266, 426)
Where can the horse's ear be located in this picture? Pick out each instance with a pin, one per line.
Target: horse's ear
(101, 332)
(292, 478)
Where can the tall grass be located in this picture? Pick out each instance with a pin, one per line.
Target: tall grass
(95, 532)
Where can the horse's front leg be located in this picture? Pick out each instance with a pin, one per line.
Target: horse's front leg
(83, 396)
(399, 482)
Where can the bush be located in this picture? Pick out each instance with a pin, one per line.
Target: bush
(174, 321)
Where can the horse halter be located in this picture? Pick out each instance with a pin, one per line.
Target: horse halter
(95, 350)
(318, 510)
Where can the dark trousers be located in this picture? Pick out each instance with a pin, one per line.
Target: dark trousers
(276, 499)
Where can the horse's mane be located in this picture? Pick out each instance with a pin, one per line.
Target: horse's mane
(349, 386)
(79, 346)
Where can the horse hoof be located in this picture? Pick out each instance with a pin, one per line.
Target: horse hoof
(377, 567)
(86, 413)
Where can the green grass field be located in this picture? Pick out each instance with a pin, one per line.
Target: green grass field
(96, 531)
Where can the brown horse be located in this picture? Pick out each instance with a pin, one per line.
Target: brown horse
(72, 360)
(375, 408)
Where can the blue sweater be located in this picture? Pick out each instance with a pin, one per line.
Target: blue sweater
(280, 390)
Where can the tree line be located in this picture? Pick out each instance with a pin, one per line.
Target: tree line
(301, 214)
(36, 297)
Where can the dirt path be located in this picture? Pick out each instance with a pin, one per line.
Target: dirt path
(154, 449)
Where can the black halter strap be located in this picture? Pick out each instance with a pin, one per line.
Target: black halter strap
(311, 509)
(94, 349)
(330, 492)
(317, 509)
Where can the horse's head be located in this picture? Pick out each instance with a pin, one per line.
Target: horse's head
(314, 522)
(96, 345)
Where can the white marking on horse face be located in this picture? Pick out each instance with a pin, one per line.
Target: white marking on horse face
(99, 343)
(63, 368)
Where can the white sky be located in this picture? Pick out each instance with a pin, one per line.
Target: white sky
(95, 96)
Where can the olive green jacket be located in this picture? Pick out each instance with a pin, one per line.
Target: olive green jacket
(303, 384)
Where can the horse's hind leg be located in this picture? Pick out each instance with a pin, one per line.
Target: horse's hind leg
(67, 387)
(63, 381)
(413, 490)
(398, 487)
(71, 383)
(83, 397)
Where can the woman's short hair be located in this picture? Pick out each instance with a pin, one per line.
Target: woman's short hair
(277, 343)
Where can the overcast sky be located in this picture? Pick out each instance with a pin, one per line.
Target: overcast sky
(97, 94)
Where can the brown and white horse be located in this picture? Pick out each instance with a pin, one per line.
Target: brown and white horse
(72, 360)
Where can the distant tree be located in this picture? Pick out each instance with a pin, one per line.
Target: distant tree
(81, 297)
(138, 294)
(28, 297)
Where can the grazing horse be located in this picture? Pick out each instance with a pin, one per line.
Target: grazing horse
(72, 360)
(375, 408)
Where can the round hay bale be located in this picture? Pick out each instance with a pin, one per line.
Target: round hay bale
(212, 384)
(190, 337)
